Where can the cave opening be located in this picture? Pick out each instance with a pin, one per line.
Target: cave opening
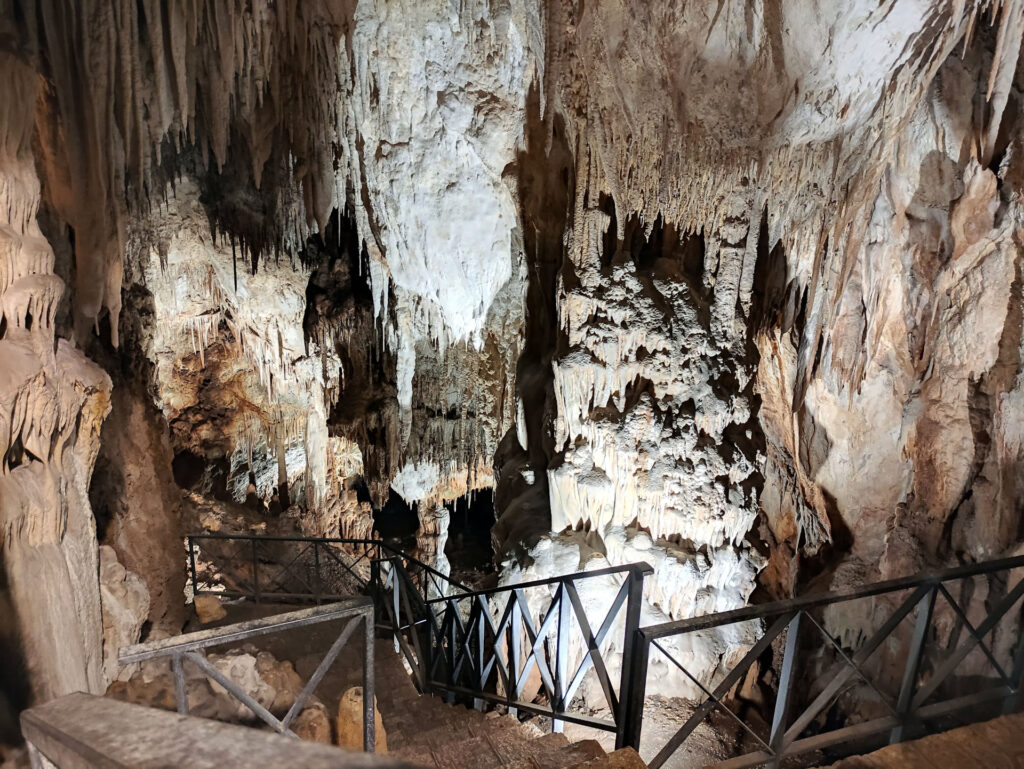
(469, 549)
(396, 519)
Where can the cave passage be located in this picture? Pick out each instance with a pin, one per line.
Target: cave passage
(469, 547)
(396, 520)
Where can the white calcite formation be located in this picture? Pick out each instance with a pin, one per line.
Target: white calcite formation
(234, 374)
(437, 105)
(730, 287)
(433, 117)
(728, 166)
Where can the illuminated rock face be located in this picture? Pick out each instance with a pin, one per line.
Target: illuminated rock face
(52, 403)
(733, 287)
(435, 113)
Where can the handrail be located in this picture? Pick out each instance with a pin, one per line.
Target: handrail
(368, 544)
(487, 650)
(453, 645)
(482, 644)
(817, 600)
(241, 631)
(191, 646)
(640, 568)
(922, 677)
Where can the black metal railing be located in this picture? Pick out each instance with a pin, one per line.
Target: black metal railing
(298, 569)
(486, 644)
(191, 648)
(481, 646)
(920, 654)
(933, 651)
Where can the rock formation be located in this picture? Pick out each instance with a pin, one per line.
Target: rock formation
(52, 403)
(731, 287)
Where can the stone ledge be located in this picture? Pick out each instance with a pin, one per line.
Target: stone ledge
(83, 731)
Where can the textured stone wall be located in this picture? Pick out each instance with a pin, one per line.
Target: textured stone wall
(52, 403)
(732, 287)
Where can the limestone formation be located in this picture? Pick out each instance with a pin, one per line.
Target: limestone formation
(731, 287)
(350, 722)
(52, 403)
(312, 724)
(125, 603)
(209, 608)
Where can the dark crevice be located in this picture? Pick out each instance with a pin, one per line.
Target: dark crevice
(546, 179)
(469, 549)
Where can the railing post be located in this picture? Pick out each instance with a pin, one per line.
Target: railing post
(192, 565)
(633, 678)
(255, 572)
(396, 606)
(777, 740)
(428, 671)
(1013, 701)
(515, 640)
(374, 577)
(561, 656)
(481, 640)
(913, 666)
(316, 575)
(180, 692)
(368, 686)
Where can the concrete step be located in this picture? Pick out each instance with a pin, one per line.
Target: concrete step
(472, 753)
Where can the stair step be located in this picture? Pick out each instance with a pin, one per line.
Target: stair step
(472, 753)
(432, 737)
(420, 756)
(566, 757)
(551, 740)
(514, 747)
(624, 758)
(507, 725)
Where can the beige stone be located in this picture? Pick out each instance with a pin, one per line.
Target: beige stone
(313, 725)
(350, 722)
(209, 608)
(281, 676)
(125, 604)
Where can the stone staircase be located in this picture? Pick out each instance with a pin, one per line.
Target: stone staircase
(425, 731)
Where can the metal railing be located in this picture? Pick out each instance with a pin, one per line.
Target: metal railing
(485, 644)
(941, 631)
(191, 647)
(531, 646)
(482, 645)
(303, 569)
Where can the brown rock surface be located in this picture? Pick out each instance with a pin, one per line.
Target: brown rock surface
(313, 725)
(209, 608)
(349, 726)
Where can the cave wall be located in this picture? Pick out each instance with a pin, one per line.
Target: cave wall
(731, 287)
(52, 403)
